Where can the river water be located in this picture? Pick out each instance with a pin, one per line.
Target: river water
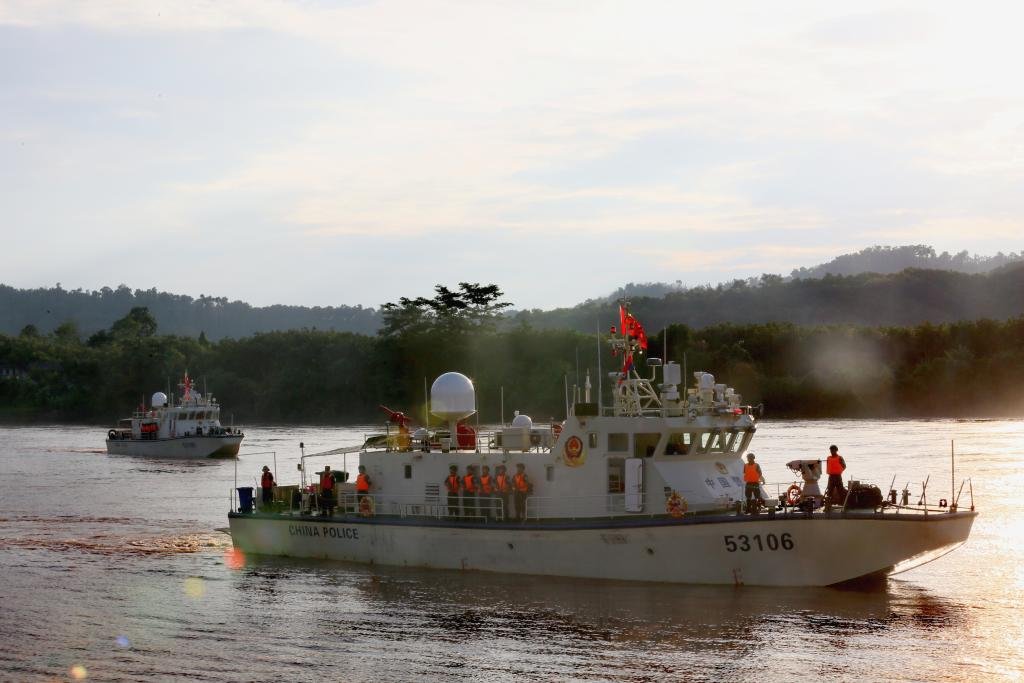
(112, 568)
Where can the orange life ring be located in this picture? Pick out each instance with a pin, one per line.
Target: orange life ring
(794, 494)
(556, 429)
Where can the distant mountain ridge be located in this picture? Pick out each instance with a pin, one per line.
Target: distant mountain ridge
(216, 317)
(939, 288)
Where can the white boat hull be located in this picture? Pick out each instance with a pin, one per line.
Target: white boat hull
(780, 551)
(179, 447)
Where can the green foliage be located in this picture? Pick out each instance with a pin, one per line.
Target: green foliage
(313, 376)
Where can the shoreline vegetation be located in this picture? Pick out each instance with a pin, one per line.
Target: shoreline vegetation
(969, 369)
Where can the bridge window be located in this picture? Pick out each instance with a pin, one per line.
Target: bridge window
(717, 441)
(592, 439)
(644, 444)
(679, 443)
(618, 443)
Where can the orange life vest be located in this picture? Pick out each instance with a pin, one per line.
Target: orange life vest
(267, 481)
(520, 482)
(834, 464)
(751, 475)
(452, 483)
(501, 483)
(469, 483)
(362, 484)
(485, 484)
(326, 482)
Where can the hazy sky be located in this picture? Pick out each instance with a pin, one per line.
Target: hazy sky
(328, 153)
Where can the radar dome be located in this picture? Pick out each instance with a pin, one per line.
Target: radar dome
(452, 396)
(159, 400)
(523, 421)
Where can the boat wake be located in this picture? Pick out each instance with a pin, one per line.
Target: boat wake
(111, 545)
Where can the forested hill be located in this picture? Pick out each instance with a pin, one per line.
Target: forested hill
(910, 297)
(216, 317)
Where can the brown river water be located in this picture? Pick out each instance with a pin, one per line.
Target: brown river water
(113, 568)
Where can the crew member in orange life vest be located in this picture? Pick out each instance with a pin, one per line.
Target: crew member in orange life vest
(267, 485)
(521, 488)
(470, 489)
(486, 491)
(503, 486)
(753, 478)
(327, 491)
(834, 467)
(452, 484)
(363, 485)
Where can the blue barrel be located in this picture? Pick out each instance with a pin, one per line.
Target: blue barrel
(245, 498)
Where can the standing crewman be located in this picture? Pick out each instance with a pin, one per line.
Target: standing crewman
(834, 467)
(470, 489)
(267, 486)
(327, 491)
(753, 478)
(521, 488)
(502, 487)
(452, 484)
(486, 492)
(363, 485)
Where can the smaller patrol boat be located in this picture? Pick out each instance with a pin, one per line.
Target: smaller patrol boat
(188, 428)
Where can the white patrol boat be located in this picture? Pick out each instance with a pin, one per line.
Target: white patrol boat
(649, 488)
(188, 428)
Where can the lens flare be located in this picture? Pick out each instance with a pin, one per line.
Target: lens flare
(78, 672)
(234, 558)
(195, 587)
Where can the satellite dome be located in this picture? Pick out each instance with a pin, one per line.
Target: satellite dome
(159, 400)
(523, 421)
(452, 396)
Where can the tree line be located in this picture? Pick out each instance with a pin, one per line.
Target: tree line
(973, 368)
(908, 286)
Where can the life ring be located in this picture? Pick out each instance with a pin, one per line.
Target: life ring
(676, 505)
(794, 494)
(943, 502)
(693, 413)
(556, 429)
(572, 453)
(366, 507)
(111, 435)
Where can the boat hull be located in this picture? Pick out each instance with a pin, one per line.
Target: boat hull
(780, 551)
(189, 447)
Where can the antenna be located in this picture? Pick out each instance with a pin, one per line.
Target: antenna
(600, 403)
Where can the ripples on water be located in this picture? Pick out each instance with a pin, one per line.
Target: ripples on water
(114, 569)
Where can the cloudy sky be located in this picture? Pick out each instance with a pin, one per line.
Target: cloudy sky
(326, 153)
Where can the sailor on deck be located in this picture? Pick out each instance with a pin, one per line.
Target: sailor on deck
(834, 467)
(452, 484)
(327, 491)
(521, 486)
(753, 478)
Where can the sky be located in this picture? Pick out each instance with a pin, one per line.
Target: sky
(328, 153)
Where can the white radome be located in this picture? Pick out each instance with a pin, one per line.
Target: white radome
(159, 400)
(522, 421)
(452, 397)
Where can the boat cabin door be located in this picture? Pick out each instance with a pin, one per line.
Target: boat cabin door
(634, 484)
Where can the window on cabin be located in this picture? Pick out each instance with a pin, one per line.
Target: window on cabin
(717, 441)
(618, 443)
(616, 475)
(679, 443)
(705, 440)
(200, 415)
(408, 471)
(645, 444)
(592, 439)
(742, 437)
(191, 416)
